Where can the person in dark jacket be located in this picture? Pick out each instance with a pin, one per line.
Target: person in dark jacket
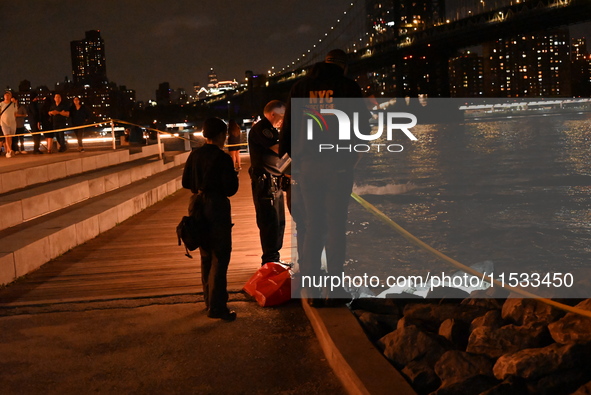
(209, 173)
(34, 116)
(322, 180)
(79, 116)
(59, 113)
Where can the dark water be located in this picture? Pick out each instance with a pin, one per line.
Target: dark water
(516, 192)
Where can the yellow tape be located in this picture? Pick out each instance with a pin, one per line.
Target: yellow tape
(407, 235)
(108, 122)
(28, 133)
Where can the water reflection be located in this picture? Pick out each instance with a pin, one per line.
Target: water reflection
(515, 192)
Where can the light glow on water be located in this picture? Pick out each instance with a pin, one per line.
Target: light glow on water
(515, 192)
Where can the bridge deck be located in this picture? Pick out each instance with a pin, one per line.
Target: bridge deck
(140, 258)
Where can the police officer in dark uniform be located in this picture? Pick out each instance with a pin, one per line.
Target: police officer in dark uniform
(266, 178)
(322, 181)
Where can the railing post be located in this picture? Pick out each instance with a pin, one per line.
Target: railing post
(187, 141)
(113, 134)
(159, 145)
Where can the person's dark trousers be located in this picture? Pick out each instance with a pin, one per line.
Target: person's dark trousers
(325, 195)
(79, 136)
(215, 252)
(36, 142)
(297, 213)
(270, 215)
(18, 142)
(61, 140)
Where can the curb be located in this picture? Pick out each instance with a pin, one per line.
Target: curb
(360, 367)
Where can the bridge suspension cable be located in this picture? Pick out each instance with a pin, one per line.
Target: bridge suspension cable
(348, 32)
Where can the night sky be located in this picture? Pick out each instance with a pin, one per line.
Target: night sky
(152, 41)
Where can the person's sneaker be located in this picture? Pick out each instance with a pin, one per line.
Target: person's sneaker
(23, 152)
(228, 315)
(9, 154)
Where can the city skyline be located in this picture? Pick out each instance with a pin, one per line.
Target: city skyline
(178, 43)
(185, 69)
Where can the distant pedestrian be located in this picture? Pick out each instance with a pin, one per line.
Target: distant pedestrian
(234, 134)
(18, 142)
(7, 122)
(34, 116)
(209, 173)
(79, 116)
(59, 113)
(266, 180)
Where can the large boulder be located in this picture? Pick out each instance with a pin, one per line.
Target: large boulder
(534, 363)
(491, 319)
(491, 298)
(430, 316)
(421, 376)
(470, 386)
(572, 328)
(377, 325)
(510, 386)
(456, 332)
(454, 366)
(507, 339)
(585, 389)
(561, 383)
(522, 311)
(409, 343)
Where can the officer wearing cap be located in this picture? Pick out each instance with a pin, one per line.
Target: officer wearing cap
(267, 179)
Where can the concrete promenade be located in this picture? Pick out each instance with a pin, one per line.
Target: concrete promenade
(124, 313)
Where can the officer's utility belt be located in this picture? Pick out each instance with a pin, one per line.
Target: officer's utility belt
(270, 183)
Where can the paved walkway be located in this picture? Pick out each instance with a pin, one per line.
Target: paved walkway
(141, 257)
(123, 314)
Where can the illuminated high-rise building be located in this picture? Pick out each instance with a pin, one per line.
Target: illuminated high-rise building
(389, 20)
(580, 68)
(528, 65)
(465, 75)
(212, 77)
(88, 60)
(392, 18)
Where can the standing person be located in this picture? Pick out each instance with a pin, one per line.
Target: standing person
(323, 181)
(59, 112)
(234, 134)
(21, 115)
(209, 174)
(34, 114)
(79, 116)
(8, 122)
(46, 124)
(265, 176)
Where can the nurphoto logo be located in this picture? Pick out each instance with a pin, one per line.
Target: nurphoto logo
(356, 126)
